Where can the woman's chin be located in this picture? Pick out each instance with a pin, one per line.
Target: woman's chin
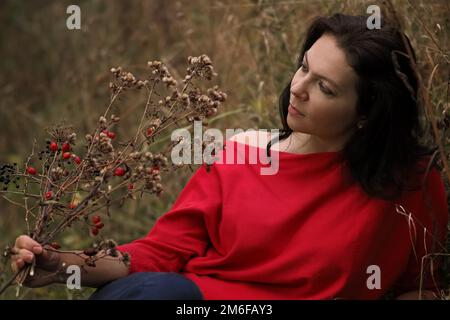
(295, 124)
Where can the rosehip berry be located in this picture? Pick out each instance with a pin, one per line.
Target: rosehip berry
(130, 186)
(99, 225)
(149, 131)
(66, 155)
(53, 146)
(111, 135)
(65, 147)
(55, 245)
(72, 205)
(96, 219)
(119, 172)
(77, 159)
(94, 231)
(31, 170)
(48, 195)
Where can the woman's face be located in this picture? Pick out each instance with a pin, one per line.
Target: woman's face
(323, 90)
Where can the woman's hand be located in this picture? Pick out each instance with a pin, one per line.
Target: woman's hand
(50, 265)
(26, 250)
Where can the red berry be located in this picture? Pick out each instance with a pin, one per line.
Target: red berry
(55, 245)
(99, 225)
(155, 170)
(77, 159)
(111, 135)
(106, 132)
(94, 231)
(48, 195)
(96, 219)
(65, 147)
(31, 170)
(53, 146)
(66, 155)
(130, 186)
(119, 172)
(149, 131)
(72, 205)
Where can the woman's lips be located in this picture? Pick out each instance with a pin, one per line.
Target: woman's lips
(294, 111)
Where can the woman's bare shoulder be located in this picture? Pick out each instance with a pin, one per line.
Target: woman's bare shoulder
(252, 137)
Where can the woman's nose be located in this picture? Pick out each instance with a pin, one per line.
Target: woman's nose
(298, 89)
(300, 93)
(303, 96)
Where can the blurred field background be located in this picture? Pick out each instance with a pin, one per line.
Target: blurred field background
(49, 73)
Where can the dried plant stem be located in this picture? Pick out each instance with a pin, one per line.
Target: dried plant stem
(182, 91)
(72, 215)
(97, 131)
(10, 281)
(115, 95)
(144, 113)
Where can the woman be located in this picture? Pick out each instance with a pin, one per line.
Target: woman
(346, 216)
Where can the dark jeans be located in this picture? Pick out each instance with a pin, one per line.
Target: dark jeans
(149, 286)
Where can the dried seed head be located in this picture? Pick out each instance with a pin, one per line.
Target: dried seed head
(148, 155)
(156, 122)
(140, 84)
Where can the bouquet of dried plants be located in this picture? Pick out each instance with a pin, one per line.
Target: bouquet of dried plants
(58, 187)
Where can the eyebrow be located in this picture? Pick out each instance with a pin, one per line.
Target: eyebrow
(321, 76)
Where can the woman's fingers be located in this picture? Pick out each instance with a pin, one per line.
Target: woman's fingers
(25, 242)
(17, 265)
(20, 257)
(26, 255)
(24, 251)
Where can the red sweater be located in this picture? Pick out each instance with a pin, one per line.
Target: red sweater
(303, 233)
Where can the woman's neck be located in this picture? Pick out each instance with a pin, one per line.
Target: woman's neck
(299, 142)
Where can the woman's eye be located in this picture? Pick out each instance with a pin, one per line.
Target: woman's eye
(325, 89)
(304, 67)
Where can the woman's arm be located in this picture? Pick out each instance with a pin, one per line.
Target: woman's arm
(106, 269)
(52, 265)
